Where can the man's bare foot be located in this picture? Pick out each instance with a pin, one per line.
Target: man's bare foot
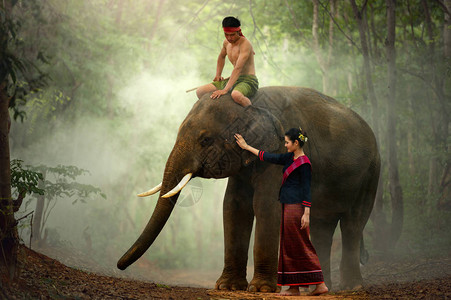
(292, 291)
(320, 289)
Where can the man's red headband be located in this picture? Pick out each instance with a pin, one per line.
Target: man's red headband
(233, 29)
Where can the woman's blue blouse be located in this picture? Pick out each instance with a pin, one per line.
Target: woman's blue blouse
(296, 188)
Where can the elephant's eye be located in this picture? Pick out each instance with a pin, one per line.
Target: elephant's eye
(206, 141)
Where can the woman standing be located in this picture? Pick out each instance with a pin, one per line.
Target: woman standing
(298, 262)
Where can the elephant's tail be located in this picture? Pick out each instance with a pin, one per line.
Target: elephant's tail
(364, 255)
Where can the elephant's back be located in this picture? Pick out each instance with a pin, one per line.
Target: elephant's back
(279, 99)
(306, 107)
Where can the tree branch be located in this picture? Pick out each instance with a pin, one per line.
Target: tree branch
(18, 202)
(25, 216)
(269, 58)
(339, 27)
(427, 82)
(443, 6)
(363, 6)
(296, 25)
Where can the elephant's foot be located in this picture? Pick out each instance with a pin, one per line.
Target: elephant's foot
(354, 288)
(350, 277)
(228, 282)
(263, 285)
(351, 285)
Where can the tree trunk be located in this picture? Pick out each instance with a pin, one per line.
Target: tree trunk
(447, 31)
(433, 168)
(317, 48)
(440, 120)
(394, 184)
(374, 37)
(9, 240)
(410, 135)
(8, 231)
(331, 83)
(445, 182)
(38, 213)
(367, 65)
(444, 202)
(377, 216)
(119, 12)
(155, 24)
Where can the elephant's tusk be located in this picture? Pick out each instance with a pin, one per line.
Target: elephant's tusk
(179, 186)
(151, 191)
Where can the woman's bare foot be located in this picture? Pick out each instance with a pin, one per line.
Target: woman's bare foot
(292, 291)
(320, 289)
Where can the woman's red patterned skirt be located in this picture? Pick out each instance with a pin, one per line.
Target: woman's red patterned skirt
(298, 262)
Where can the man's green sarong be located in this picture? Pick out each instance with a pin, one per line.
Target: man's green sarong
(246, 84)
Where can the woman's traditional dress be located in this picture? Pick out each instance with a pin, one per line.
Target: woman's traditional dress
(298, 261)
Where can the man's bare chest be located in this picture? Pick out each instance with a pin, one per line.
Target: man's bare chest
(233, 52)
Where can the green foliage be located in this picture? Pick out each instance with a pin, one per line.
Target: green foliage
(25, 180)
(60, 182)
(18, 68)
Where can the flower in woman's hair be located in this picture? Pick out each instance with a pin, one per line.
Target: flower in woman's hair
(302, 137)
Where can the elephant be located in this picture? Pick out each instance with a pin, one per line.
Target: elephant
(345, 162)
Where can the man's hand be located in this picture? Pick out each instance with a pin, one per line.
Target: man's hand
(218, 78)
(217, 94)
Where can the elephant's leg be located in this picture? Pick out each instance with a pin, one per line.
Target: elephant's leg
(238, 220)
(322, 232)
(352, 224)
(267, 227)
(351, 233)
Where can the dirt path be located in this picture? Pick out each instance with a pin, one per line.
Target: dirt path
(44, 278)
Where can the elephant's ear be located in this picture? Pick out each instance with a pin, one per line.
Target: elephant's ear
(262, 130)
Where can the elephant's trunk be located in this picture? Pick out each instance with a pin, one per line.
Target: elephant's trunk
(153, 228)
(157, 221)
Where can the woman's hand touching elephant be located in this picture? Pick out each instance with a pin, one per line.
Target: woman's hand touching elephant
(240, 141)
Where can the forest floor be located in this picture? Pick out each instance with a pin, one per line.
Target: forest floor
(41, 277)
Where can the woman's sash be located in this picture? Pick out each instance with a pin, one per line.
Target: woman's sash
(296, 163)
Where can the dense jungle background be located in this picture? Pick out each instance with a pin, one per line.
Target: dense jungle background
(95, 91)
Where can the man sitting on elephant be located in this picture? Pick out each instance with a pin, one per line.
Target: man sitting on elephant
(242, 82)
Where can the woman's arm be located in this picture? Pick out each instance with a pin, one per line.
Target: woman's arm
(306, 178)
(305, 183)
(242, 143)
(280, 159)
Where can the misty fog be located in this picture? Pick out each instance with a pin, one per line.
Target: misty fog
(124, 71)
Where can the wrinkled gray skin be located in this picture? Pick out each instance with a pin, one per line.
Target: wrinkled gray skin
(345, 160)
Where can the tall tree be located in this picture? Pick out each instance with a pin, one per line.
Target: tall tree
(447, 30)
(324, 62)
(362, 24)
(378, 215)
(394, 184)
(18, 76)
(8, 231)
(436, 78)
(445, 182)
